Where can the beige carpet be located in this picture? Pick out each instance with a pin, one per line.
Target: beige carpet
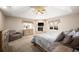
(23, 45)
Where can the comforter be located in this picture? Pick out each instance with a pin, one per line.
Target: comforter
(46, 40)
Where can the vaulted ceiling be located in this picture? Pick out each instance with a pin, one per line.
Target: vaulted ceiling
(28, 12)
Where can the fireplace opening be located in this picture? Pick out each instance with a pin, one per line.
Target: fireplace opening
(40, 29)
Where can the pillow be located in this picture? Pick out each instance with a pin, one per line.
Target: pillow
(67, 40)
(71, 33)
(75, 42)
(76, 34)
(76, 29)
(67, 32)
(60, 37)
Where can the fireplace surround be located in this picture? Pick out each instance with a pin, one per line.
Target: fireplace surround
(40, 26)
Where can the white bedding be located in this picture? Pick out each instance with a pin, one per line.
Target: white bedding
(46, 40)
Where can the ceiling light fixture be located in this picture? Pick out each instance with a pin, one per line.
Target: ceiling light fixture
(39, 9)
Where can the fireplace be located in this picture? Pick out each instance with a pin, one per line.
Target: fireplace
(40, 29)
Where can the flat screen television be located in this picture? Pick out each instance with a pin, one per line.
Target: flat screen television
(40, 24)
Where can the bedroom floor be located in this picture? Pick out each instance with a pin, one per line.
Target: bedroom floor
(23, 45)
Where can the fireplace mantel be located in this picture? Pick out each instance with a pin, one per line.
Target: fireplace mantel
(40, 26)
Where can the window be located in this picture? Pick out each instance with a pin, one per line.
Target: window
(55, 27)
(51, 27)
(27, 25)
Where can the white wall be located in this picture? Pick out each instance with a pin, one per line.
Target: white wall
(1, 21)
(69, 22)
(13, 23)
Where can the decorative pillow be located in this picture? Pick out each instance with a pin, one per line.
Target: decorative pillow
(75, 42)
(76, 29)
(76, 34)
(71, 33)
(60, 37)
(67, 32)
(67, 40)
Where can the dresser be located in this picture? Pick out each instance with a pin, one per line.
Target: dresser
(28, 32)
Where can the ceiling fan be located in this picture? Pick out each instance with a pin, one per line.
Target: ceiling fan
(39, 9)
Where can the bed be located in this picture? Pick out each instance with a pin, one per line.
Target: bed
(46, 40)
